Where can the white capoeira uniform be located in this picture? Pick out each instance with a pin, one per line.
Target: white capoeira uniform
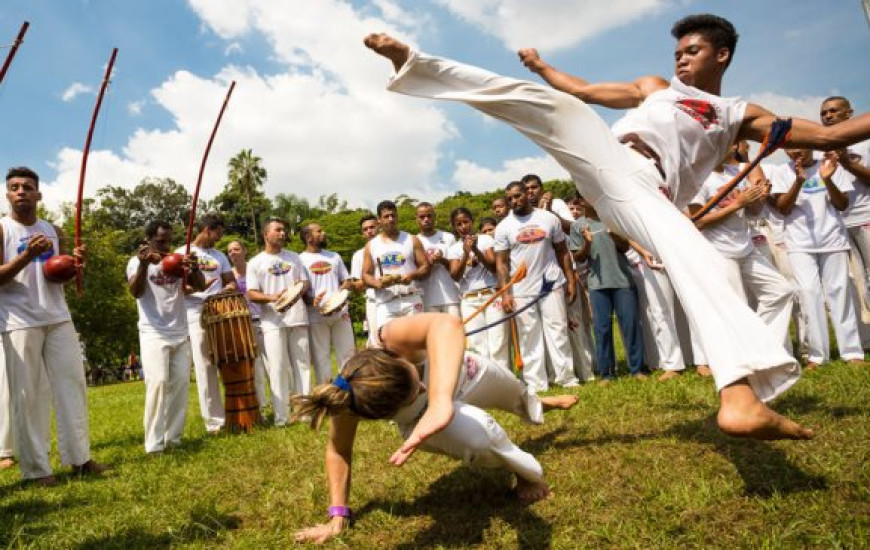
(691, 131)
(473, 436)
(394, 257)
(43, 363)
(285, 335)
(327, 272)
(658, 315)
(213, 264)
(7, 444)
(750, 270)
(818, 250)
(543, 328)
(857, 219)
(356, 264)
(260, 376)
(440, 293)
(476, 286)
(164, 348)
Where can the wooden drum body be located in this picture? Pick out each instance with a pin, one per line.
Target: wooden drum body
(232, 346)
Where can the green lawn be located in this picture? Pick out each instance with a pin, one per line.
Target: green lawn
(636, 464)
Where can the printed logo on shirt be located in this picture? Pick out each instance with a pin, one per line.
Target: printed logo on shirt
(812, 185)
(22, 246)
(701, 110)
(471, 367)
(392, 260)
(279, 268)
(531, 234)
(207, 264)
(160, 278)
(320, 268)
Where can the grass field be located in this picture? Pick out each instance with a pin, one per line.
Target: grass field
(637, 464)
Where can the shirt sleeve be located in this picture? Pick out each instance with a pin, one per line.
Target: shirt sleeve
(132, 267)
(557, 234)
(252, 277)
(502, 240)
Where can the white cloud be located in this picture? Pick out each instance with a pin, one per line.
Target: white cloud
(324, 124)
(135, 107)
(549, 24)
(76, 89)
(233, 48)
(474, 178)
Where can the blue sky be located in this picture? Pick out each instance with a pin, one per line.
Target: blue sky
(310, 99)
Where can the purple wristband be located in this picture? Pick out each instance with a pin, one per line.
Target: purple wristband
(343, 511)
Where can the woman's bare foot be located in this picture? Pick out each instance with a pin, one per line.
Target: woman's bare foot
(6, 462)
(387, 46)
(742, 414)
(562, 402)
(529, 492)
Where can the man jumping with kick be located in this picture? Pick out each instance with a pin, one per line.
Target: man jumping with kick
(672, 139)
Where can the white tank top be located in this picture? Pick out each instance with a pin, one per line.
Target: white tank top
(396, 257)
(30, 300)
(690, 130)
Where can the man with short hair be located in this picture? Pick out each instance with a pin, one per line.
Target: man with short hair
(40, 343)
(285, 334)
(546, 201)
(328, 275)
(393, 264)
(500, 208)
(369, 228)
(440, 293)
(672, 137)
(534, 237)
(163, 335)
(218, 273)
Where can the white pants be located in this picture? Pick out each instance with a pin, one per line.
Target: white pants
(580, 336)
(798, 312)
(821, 277)
(657, 305)
(401, 306)
(211, 405)
(623, 186)
(371, 323)
(773, 295)
(451, 309)
(543, 333)
(6, 441)
(333, 331)
(45, 369)
(288, 362)
(166, 369)
(859, 271)
(260, 376)
(475, 437)
(493, 342)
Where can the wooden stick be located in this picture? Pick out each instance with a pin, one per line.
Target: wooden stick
(84, 168)
(515, 340)
(18, 40)
(518, 276)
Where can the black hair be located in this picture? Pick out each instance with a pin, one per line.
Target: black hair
(531, 177)
(487, 220)
(513, 184)
(385, 205)
(461, 210)
(716, 30)
(22, 172)
(366, 218)
(833, 98)
(208, 221)
(154, 226)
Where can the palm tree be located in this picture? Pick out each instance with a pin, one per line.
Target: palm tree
(246, 177)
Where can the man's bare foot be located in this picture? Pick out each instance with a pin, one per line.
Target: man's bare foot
(742, 414)
(704, 370)
(90, 468)
(47, 481)
(669, 375)
(529, 492)
(562, 402)
(387, 46)
(6, 463)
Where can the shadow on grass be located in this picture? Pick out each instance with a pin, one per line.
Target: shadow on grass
(16, 517)
(206, 524)
(462, 505)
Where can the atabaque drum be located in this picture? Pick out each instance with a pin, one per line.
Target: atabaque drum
(232, 346)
